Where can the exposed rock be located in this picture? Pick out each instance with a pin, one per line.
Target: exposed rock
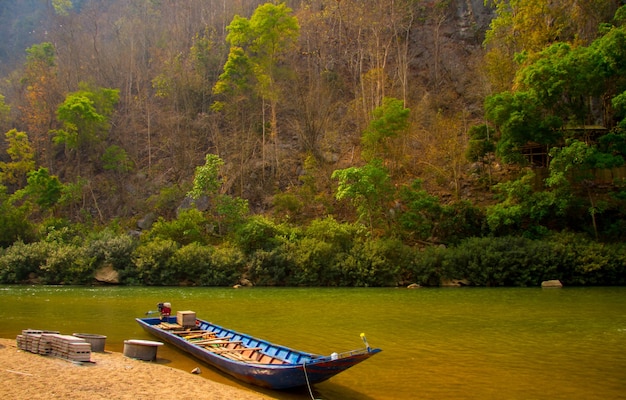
(555, 283)
(146, 222)
(196, 371)
(201, 204)
(413, 286)
(246, 282)
(107, 274)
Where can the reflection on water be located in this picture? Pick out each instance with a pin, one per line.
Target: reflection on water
(505, 343)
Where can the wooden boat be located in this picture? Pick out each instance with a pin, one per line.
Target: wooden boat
(252, 360)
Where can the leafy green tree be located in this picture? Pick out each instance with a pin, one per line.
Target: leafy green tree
(85, 118)
(207, 180)
(62, 7)
(22, 157)
(45, 189)
(5, 112)
(14, 221)
(571, 176)
(225, 210)
(556, 89)
(389, 121)
(528, 26)
(116, 159)
(257, 46)
(370, 190)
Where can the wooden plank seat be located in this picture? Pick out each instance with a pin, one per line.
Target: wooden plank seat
(202, 335)
(214, 341)
(228, 350)
(168, 326)
(189, 332)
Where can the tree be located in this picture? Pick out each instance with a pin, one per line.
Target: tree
(22, 159)
(389, 121)
(41, 96)
(85, 117)
(558, 88)
(257, 45)
(528, 26)
(370, 191)
(226, 211)
(207, 179)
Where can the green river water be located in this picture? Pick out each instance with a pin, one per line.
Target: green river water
(461, 343)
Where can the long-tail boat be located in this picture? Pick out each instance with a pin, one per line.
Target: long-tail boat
(249, 359)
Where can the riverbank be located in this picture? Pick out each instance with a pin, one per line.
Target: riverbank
(109, 376)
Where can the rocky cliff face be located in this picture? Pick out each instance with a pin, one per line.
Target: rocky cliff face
(448, 53)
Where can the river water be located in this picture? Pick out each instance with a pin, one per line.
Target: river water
(461, 343)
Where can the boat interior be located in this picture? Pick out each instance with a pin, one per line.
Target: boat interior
(225, 346)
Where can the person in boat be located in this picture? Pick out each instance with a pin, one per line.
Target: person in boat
(165, 309)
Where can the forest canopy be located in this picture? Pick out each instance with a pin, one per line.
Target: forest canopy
(310, 142)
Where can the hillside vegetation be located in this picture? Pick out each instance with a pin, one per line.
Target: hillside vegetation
(319, 142)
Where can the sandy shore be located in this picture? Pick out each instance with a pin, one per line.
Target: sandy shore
(109, 376)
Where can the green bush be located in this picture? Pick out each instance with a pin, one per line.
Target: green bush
(153, 262)
(374, 263)
(197, 264)
(110, 248)
(22, 262)
(427, 267)
(270, 267)
(66, 264)
(501, 261)
(587, 262)
(190, 226)
(261, 233)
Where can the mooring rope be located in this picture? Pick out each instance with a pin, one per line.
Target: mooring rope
(308, 384)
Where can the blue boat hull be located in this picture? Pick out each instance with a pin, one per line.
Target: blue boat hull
(290, 368)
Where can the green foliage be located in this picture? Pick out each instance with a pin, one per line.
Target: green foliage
(166, 201)
(388, 121)
(502, 261)
(5, 111)
(41, 54)
(257, 47)
(554, 89)
(459, 220)
(22, 157)
(260, 233)
(116, 159)
(190, 226)
(208, 266)
(585, 262)
(520, 119)
(153, 262)
(14, 221)
(207, 178)
(288, 204)
(62, 7)
(84, 115)
(375, 262)
(523, 208)
(481, 143)
(421, 214)
(45, 189)
(66, 264)
(341, 236)
(230, 213)
(110, 248)
(22, 262)
(369, 188)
